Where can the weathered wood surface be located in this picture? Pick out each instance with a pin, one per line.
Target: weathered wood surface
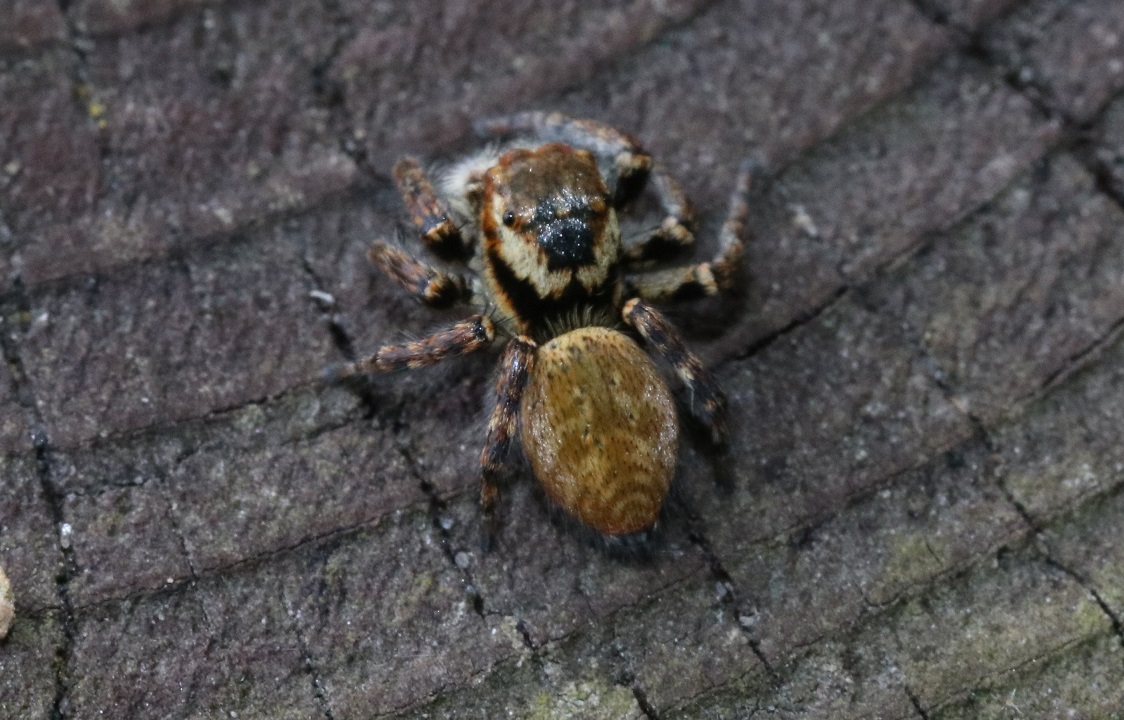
(926, 375)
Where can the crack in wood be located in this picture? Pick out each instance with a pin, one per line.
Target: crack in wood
(1080, 359)
(913, 699)
(730, 598)
(1040, 534)
(763, 342)
(52, 496)
(1117, 627)
(642, 702)
(341, 339)
(319, 692)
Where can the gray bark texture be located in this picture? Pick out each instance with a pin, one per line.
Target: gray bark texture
(924, 508)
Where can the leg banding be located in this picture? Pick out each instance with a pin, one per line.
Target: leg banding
(495, 459)
(673, 284)
(428, 212)
(706, 401)
(475, 333)
(731, 238)
(433, 287)
(677, 231)
(707, 278)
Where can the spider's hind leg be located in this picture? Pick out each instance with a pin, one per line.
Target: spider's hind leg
(706, 401)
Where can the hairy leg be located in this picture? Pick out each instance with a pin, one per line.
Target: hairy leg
(707, 403)
(677, 231)
(428, 284)
(495, 459)
(706, 278)
(470, 335)
(428, 212)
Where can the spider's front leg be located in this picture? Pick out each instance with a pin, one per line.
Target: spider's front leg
(495, 460)
(467, 336)
(706, 401)
(705, 278)
(431, 286)
(429, 213)
(677, 231)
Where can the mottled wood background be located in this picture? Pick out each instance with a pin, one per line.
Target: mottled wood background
(925, 514)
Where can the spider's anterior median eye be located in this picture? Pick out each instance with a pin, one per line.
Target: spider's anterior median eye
(509, 218)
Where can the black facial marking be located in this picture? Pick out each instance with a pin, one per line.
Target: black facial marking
(568, 243)
(564, 230)
(537, 311)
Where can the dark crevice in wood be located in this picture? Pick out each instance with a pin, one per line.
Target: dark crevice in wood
(341, 339)
(459, 560)
(1080, 359)
(1114, 619)
(332, 95)
(730, 598)
(935, 14)
(915, 702)
(1040, 534)
(181, 541)
(800, 320)
(1032, 91)
(81, 87)
(1043, 547)
(645, 706)
(972, 45)
(1102, 175)
(318, 691)
(528, 643)
(1084, 148)
(67, 571)
(51, 494)
(442, 522)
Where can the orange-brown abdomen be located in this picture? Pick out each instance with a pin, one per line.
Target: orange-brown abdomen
(600, 429)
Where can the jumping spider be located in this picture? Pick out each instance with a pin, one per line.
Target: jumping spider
(536, 224)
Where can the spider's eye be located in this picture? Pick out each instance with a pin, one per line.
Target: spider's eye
(509, 218)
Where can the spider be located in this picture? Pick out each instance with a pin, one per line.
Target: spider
(533, 219)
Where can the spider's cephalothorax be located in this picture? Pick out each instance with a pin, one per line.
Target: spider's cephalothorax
(551, 243)
(536, 223)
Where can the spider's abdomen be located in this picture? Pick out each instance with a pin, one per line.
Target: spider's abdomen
(600, 429)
